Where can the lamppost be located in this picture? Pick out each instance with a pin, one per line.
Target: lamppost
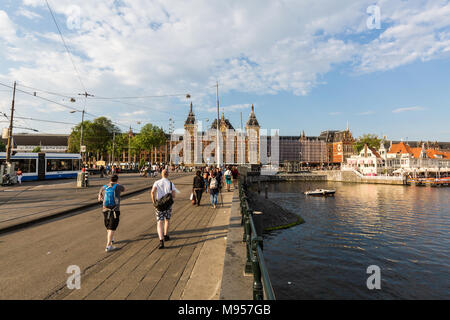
(217, 128)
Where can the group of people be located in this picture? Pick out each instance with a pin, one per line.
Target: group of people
(211, 180)
(163, 194)
(152, 171)
(110, 193)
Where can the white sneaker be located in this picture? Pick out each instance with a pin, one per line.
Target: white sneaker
(110, 248)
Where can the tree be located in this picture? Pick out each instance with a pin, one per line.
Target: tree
(148, 138)
(37, 149)
(371, 140)
(97, 136)
(2, 147)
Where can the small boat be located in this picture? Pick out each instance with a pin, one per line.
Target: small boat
(320, 192)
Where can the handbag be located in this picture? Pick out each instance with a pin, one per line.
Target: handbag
(193, 198)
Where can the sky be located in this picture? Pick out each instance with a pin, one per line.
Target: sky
(306, 65)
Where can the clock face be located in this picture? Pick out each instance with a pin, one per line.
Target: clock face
(339, 147)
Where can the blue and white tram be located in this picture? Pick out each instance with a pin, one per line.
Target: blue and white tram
(43, 166)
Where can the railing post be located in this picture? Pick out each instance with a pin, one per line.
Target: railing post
(247, 239)
(258, 293)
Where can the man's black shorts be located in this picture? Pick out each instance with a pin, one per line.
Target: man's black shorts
(111, 220)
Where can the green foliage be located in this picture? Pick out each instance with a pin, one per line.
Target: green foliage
(371, 140)
(97, 135)
(150, 136)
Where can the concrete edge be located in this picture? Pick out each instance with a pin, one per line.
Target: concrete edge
(235, 286)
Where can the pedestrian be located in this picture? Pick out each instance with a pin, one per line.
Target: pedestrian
(198, 186)
(163, 191)
(205, 180)
(19, 175)
(213, 185)
(227, 176)
(110, 195)
(235, 174)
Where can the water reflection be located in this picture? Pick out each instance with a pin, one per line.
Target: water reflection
(403, 230)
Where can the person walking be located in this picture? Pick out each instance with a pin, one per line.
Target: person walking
(227, 176)
(213, 184)
(205, 180)
(162, 191)
(235, 174)
(19, 175)
(198, 186)
(110, 195)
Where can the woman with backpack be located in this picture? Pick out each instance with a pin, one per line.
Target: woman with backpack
(110, 196)
(213, 185)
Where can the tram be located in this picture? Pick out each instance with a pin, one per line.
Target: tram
(44, 166)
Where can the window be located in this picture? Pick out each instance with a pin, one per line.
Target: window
(59, 165)
(26, 165)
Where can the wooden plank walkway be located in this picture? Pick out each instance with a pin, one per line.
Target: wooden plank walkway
(139, 270)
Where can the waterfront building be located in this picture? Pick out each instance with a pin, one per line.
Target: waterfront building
(368, 162)
(402, 158)
(339, 145)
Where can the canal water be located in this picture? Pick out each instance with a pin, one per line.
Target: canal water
(405, 231)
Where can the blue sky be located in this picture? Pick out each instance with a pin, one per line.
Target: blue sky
(305, 65)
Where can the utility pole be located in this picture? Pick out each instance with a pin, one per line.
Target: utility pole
(242, 143)
(130, 134)
(217, 131)
(171, 130)
(10, 131)
(114, 141)
(85, 94)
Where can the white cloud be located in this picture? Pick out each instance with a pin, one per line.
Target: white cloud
(235, 107)
(408, 109)
(366, 113)
(146, 47)
(28, 14)
(7, 27)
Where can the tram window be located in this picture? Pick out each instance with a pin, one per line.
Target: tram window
(59, 165)
(26, 165)
(76, 164)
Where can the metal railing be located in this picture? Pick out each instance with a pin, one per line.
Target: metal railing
(255, 263)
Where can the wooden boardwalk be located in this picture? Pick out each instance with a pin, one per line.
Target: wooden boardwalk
(190, 267)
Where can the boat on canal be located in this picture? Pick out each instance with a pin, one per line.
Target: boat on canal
(320, 192)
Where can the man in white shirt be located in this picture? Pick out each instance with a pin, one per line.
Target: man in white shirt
(160, 188)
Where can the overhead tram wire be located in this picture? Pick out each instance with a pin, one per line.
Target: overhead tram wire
(36, 96)
(48, 92)
(65, 45)
(142, 97)
(60, 104)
